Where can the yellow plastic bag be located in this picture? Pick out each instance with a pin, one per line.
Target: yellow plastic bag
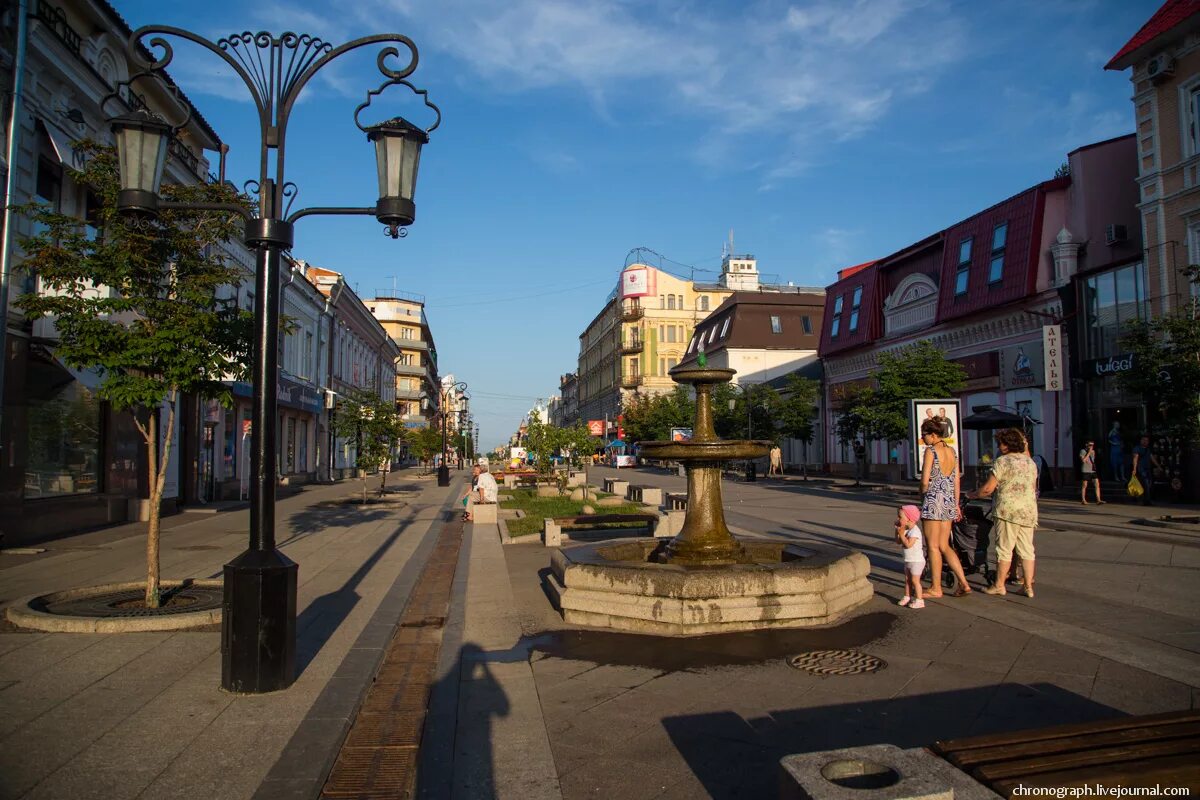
(1134, 488)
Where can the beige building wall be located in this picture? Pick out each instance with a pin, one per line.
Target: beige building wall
(416, 369)
(1168, 140)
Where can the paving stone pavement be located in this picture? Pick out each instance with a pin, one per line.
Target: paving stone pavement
(142, 715)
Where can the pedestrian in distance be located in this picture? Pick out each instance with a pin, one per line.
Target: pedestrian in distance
(940, 487)
(908, 536)
(860, 461)
(1013, 483)
(776, 461)
(1087, 468)
(1145, 462)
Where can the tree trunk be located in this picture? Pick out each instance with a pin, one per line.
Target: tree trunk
(364, 483)
(383, 480)
(158, 479)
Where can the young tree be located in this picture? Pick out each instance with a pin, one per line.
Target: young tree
(425, 443)
(917, 371)
(797, 404)
(138, 303)
(376, 427)
(578, 442)
(1166, 370)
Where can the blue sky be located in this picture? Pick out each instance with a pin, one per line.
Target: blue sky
(822, 133)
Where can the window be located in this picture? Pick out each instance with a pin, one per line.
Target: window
(682, 334)
(406, 333)
(679, 302)
(725, 327)
(1113, 301)
(712, 334)
(63, 433)
(837, 304)
(1193, 114)
(806, 323)
(662, 333)
(671, 334)
(662, 301)
(692, 343)
(999, 237)
(776, 324)
(633, 367)
(857, 297)
(703, 303)
(833, 329)
(854, 320)
(671, 302)
(662, 366)
(671, 362)
(836, 325)
(964, 267)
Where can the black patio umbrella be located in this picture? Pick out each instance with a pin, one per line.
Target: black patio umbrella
(994, 418)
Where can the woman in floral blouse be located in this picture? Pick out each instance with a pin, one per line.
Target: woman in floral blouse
(1014, 481)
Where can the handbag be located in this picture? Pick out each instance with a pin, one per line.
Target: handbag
(1134, 488)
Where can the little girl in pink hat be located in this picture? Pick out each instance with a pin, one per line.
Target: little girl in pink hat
(908, 535)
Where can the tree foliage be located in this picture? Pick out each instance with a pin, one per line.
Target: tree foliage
(1166, 370)
(880, 413)
(141, 305)
(376, 426)
(651, 418)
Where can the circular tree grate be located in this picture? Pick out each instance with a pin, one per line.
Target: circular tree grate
(130, 603)
(836, 662)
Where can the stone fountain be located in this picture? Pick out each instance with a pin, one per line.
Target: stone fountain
(706, 580)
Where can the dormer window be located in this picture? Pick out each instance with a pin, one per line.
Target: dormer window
(964, 267)
(999, 240)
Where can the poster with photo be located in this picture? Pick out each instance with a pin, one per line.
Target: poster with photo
(949, 412)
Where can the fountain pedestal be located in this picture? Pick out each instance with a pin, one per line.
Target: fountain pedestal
(705, 579)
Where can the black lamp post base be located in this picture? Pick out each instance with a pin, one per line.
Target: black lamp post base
(444, 475)
(258, 630)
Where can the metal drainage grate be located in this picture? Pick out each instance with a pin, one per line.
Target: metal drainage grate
(836, 662)
(131, 603)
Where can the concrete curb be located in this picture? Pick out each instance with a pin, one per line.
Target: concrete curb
(22, 614)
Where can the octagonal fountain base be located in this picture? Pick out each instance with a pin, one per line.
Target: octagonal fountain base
(622, 585)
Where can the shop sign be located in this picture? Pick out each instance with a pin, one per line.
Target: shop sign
(1100, 367)
(1052, 354)
(596, 427)
(1022, 366)
(298, 395)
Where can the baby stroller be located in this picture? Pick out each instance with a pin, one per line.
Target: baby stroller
(969, 541)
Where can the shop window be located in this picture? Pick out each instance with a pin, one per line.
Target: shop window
(999, 239)
(1113, 301)
(63, 433)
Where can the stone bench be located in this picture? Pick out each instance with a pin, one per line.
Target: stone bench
(484, 513)
(649, 495)
(552, 527)
(671, 523)
(675, 501)
(576, 479)
(616, 486)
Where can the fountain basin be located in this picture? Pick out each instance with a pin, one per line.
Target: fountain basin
(776, 584)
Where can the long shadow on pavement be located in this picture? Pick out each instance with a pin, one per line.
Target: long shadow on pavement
(733, 756)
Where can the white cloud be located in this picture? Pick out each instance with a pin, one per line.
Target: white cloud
(761, 77)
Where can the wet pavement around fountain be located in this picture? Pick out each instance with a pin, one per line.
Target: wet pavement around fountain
(1113, 630)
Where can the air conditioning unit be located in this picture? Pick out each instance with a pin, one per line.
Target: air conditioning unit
(1115, 233)
(1161, 67)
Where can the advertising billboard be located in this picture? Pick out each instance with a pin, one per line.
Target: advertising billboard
(639, 282)
(949, 413)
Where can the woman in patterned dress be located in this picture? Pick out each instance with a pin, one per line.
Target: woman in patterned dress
(939, 484)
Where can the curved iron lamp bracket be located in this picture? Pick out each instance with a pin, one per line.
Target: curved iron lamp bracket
(371, 95)
(135, 101)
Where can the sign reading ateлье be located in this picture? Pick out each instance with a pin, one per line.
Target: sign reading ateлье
(1052, 356)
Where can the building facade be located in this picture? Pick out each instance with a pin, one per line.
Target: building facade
(417, 381)
(361, 357)
(641, 333)
(983, 291)
(69, 460)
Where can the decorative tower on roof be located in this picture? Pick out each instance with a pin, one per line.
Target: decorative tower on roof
(739, 273)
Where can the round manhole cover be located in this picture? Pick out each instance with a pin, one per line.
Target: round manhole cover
(836, 662)
(131, 603)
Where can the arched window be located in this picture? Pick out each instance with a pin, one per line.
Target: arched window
(671, 302)
(704, 303)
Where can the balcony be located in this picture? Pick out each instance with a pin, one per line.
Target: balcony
(411, 370)
(408, 394)
(631, 381)
(411, 344)
(632, 313)
(632, 348)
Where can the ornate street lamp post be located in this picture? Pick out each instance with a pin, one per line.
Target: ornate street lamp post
(458, 389)
(259, 624)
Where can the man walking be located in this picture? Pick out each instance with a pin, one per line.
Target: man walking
(860, 461)
(1144, 464)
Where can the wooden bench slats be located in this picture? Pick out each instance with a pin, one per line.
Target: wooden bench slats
(594, 519)
(1103, 756)
(1179, 770)
(967, 759)
(948, 747)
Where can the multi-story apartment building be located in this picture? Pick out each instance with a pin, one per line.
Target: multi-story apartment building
(362, 358)
(642, 332)
(417, 382)
(563, 408)
(1165, 59)
(67, 460)
(982, 291)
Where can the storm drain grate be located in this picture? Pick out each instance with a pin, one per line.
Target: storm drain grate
(836, 662)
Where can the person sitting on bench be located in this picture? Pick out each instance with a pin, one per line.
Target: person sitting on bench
(485, 488)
